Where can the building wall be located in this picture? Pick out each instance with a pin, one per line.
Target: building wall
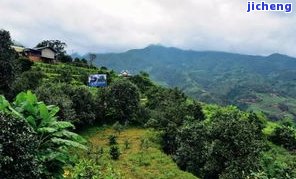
(47, 53)
(18, 49)
(34, 58)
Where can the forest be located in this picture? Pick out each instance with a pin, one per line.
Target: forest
(52, 125)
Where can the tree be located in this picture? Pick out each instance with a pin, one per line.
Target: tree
(18, 149)
(92, 57)
(195, 110)
(236, 144)
(122, 101)
(168, 111)
(191, 152)
(65, 58)
(285, 136)
(28, 80)
(8, 65)
(56, 94)
(142, 81)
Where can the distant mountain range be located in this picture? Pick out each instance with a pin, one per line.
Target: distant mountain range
(259, 83)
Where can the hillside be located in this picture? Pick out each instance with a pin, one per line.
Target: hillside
(134, 162)
(259, 83)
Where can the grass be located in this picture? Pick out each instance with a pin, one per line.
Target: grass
(135, 161)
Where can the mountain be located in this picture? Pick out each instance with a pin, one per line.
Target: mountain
(258, 83)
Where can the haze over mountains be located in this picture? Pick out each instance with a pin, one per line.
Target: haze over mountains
(259, 83)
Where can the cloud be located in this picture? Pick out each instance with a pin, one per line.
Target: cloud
(114, 25)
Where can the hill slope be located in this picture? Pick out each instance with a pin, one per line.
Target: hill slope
(264, 83)
(134, 162)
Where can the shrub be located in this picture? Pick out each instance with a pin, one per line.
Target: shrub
(18, 149)
(112, 140)
(77, 103)
(122, 101)
(285, 136)
(55, 94)
(114, 152)
(28, 80)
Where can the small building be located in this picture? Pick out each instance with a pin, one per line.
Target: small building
(41, 54)
(18, 47)
(125, 73)
(38, 54)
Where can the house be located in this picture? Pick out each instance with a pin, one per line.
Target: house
(41, 54)
(38, 54)
(125, 73)
(18, 47)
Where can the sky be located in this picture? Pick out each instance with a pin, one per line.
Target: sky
(103, 26)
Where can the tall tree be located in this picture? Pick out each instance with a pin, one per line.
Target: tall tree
(92, 57)
(7, 62)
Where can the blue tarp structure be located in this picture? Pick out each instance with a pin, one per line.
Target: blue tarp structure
(97, 80)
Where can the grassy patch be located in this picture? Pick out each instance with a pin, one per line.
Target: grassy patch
(141, 158)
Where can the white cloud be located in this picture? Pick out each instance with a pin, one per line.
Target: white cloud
(117, 25)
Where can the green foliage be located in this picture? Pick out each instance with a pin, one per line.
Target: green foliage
(195, 110)
(114, 152)
(64, 76)
(169, 109)
(142, 81)
(285, 136)
(236, 145)
(77, 103)
(24, 64)
(112, 140)
(56, 94)
(18, 149)
(65, 58)
(191, 153)
(127, 144)
(88, 168)
(122, 101)
(54, 137)
(28, 80)
(114, 149)
(84, 104)
(228, 145)
(118, 127)
(8, 64)
(278, 163)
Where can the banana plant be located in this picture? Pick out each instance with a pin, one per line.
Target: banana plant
(55, 137)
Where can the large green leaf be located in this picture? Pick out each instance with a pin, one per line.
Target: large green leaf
(68, 143)
(4, 104)
(53, 110)
(47, 130)
(44, 114)
(70, 135)
(61, 124)
(31, 121)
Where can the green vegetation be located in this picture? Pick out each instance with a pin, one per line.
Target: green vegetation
(18, 149)
(150, 131)
(52, 136)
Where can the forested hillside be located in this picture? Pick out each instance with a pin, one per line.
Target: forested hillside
(257, 83)
(52, 125)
